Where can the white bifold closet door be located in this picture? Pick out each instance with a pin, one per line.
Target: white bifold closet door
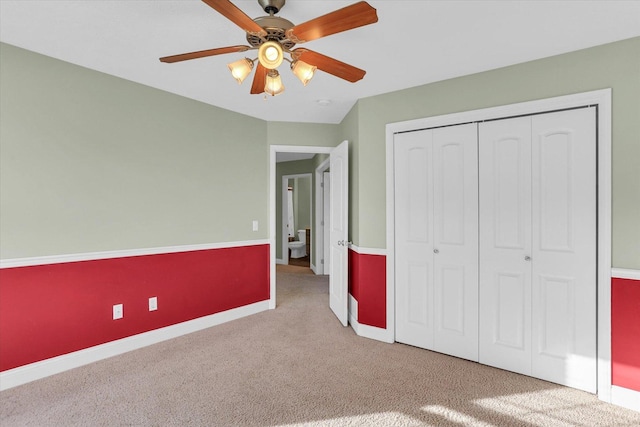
(537, 179)
(436, 243)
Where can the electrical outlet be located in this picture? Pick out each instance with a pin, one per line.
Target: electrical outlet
(153, 303)
(255, 225)
(118, 312)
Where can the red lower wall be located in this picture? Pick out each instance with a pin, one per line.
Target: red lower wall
(51, 310)
(625, 333)
(368, 285)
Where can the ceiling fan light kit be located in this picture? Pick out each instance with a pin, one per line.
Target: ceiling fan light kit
(270, 55)
(273, 85)
(303, 71)
(274, 36)
(241, 69)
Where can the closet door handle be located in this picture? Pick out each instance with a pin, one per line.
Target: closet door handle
(436, 251)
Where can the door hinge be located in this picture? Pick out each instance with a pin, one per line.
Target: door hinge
(322, 261)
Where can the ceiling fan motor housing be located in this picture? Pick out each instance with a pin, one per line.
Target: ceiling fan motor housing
(271, 6)
(276, 28)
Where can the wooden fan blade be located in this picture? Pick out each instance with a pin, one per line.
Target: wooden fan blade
(204, 53)
(257, 87)
(235, 15)
(347, 18)
(329, 65)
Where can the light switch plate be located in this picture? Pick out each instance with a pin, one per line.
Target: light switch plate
(153, 303)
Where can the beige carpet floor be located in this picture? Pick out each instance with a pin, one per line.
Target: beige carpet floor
(297, 366)
(292, 268)
(300, 262)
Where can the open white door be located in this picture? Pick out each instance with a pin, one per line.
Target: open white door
(338, 235)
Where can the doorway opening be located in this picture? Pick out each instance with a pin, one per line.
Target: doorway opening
(280, 232)
(338, 162)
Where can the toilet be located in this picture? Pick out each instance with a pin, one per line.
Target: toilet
(299, 247)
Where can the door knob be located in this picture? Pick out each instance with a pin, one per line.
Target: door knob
(527, 258)
(436, 251)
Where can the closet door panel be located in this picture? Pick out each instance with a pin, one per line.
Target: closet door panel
(414, 241)
(450, 295)
(564, 248)
(449, 177)
(555, 322)
(455, 179)
(505, 244)
(510, 305)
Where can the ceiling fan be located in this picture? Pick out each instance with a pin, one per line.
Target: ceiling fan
(273, 36)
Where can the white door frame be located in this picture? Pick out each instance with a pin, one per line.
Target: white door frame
(599, 98)
(285, 206)
(319, 242)
(273, 149)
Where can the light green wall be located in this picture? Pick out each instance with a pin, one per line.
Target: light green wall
(302, 200)
(307, 134)
(91, 162)
(615, 66)
(318, 159)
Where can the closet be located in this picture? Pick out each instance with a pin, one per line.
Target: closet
(495, 243)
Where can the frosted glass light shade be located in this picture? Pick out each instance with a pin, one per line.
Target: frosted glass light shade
(270, 55)
(303, 71)
(241, 69)
(273, 84)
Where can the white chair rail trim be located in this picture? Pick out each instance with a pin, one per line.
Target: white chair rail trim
(93, 256)
(623, 273)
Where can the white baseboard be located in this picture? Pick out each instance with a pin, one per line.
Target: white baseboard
(366, 331)
(371, 332)
(34, 371)
(353, 310)
(313, 268)
(281, 261)
(625, 397)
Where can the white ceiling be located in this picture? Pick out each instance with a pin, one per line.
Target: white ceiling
(413, 43)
